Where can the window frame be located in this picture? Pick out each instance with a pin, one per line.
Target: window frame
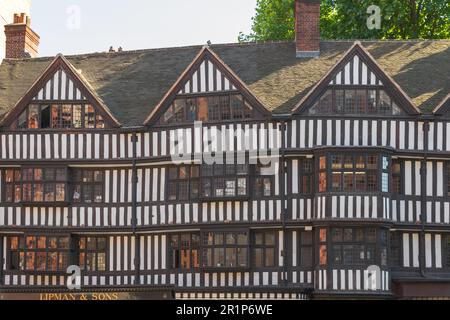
(343, 245)
(191, 248)
(214, 106)
(264, 247)
(202, 178)
(339, 105)
(205, 265)
(327, 171)
(99, 119)
(79, 251)
(92, 185)
(22, 249)
(33, 183)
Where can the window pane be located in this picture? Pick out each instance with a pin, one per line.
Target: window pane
(56, 116)
(33, 117)
(270, 257)
(336, 235)
(76, 118)
(23, 121)
(322, 182)
(219, 257)
(98, 193)
(242, 238)
(258, 257)
(336, 181)
(230, 238)
(231, 257)
(323, 255)
(336, 162)
(242, 255)
(218, 239)
(45, 117)
(60, 192)
(270, 238)
(89, 117)
(38, 193)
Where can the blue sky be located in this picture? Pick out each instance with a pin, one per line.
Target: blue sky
(82, 26)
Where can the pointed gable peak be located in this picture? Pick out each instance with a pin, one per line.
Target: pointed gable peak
(206, 74)
(358, 68)
(60, 82)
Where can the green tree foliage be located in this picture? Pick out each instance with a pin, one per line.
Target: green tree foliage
(347, 19)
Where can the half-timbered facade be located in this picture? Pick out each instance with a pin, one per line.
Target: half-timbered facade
(339, 184)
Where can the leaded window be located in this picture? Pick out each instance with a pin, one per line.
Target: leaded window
(88, 186)
(225, 249)
(92, 253)
(265, 249)
(354, 246)
(60, 116)
(35, 185)
(349, 173)
(396, 177)
(184, 251)
(208, 108)
(372, 101)
(38, 253)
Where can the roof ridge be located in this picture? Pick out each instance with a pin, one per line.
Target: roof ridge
(226, 44)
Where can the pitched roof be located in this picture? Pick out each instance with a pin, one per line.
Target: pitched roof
(132, 83)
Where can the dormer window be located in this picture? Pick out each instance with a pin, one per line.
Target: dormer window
(60, 116)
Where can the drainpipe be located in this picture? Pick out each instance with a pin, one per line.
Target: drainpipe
(282, 169)
(2, 260)
(134, 179)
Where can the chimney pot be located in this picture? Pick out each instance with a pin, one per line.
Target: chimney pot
(307, 28)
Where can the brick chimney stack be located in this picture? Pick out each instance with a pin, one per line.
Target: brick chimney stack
(21, 41)
(307, 28)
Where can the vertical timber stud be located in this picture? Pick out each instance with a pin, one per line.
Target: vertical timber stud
(283, 169)
(135, 178)
(423, 205)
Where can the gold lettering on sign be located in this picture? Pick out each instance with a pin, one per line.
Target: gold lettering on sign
(111, 296)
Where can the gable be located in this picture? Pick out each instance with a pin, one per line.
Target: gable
(59, 99)
(207, 78)
(356, 72)
(207, 91)
(356, 85)
(60, 87)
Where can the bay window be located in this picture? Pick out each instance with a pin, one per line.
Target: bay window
(359, 246)
(349, 173)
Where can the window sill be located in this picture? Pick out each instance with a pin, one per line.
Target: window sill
(225, 269)
(223, 199)
(45, 204)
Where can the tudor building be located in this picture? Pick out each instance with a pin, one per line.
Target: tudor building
(357, 206)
